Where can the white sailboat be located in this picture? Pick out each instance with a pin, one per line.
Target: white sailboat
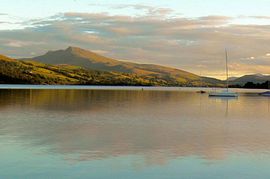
(225, 93)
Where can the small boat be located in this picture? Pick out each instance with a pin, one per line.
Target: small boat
(267, 93)
(225, 93)
(201, 85)
(201, 91)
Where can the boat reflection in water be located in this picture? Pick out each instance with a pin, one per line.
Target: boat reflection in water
(84, 130)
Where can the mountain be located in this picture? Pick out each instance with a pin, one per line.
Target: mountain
(232, 78)
(78, 66)
(14, 71)
(90, 60)
(255, 78)
(80, 57)
(31, 72)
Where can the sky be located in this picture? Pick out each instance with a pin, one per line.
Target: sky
(186, 34)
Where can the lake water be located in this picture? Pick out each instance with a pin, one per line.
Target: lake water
(110, 133)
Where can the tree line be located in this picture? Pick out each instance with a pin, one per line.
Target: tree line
(251, 85)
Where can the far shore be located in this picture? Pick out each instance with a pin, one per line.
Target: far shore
(125, 88)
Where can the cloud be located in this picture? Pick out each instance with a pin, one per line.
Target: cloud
(260, 17)
(17, 43)
(144, 10)
(150, 10)
(216, 18)
(192, 44)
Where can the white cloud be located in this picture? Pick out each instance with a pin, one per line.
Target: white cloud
(17, 43)
(185, 43)
(91, 32)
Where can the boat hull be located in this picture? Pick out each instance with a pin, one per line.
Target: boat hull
(202, 92)
(223, 94)
(265, 93)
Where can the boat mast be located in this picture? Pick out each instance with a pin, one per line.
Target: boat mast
(227, 70)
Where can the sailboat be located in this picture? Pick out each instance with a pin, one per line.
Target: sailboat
(225, 93)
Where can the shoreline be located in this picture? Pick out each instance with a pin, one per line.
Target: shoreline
(123, 88)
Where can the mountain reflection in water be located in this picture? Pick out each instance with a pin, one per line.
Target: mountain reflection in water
(157, 125)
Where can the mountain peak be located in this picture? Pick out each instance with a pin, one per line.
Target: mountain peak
(70, 48)
(78, 57)
(77, 51)
(259, 75)
(74, 49)
(90, 60)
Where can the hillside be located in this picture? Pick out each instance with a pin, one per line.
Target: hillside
(256, 78)
(89, 60)
(31, 72)
(81, 67)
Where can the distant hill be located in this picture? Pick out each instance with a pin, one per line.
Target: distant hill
(14, 71)
(89, 60)
(232, 78)
(30, 72)
(256, 78)
(78, 66)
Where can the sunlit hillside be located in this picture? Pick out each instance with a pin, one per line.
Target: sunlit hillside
(90, 60)
(32, 72)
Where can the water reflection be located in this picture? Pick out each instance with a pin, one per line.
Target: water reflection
(226, 100)
(159, 126)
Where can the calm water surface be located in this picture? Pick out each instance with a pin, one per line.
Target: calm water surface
(132, 134)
